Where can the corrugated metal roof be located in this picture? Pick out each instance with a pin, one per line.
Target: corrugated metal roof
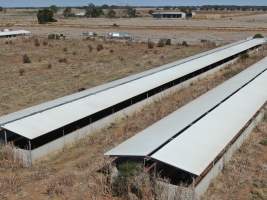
(160, 132)
(54, 118)
(70, 98)
(197, 147)
(10, 33)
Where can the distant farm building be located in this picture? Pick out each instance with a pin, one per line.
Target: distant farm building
(172, 15)
(6, 33)
(119, 35)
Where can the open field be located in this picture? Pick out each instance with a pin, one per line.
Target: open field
(233, 26)
(72, 173)
(59, 68)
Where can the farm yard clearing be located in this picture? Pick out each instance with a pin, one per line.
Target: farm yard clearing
(38, 69)
(73, 175)
(67, 66)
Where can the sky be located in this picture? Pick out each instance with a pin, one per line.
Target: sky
(42, 3)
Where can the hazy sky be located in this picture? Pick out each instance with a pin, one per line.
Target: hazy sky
(24, 3)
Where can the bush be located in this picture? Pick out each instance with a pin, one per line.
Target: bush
(161, 43)
(258, 35)
(26, 59)
(99, 47)
(92, 11)
(68, 12)
(49, 66)
(36, 42)
(185, 44)
(244, 56)
(90, 48)
(45, 43)
(111, 13)
(127, 172)
(62, 60)
(150, 44)
(21, 72)
(45, 16)
(131, 12)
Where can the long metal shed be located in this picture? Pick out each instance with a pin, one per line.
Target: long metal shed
(163, 131)
(91, 105)
(198, 146)
(14, 33)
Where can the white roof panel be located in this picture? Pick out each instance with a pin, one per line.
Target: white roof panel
(197, 147)
(78, 109)
(160, 132)
(70, 98)
(18, 32)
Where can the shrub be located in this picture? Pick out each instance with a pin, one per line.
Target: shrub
(168, 41)
(36, 42)
(99, 47)
(26, 59)
(21, 72)
(111, 13)
(150, 44)
(68, 12)
(49, 66)
(258, 35)
(161, 43)
(92, 11)
(65, 49)
(127, 172)
(45, 16)
(90, 48)
(264, 142)
(45, 43)
(244, 56)
(185, 44)
(62, 60)
(111, 51)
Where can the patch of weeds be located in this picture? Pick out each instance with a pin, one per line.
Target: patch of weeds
(264, 142)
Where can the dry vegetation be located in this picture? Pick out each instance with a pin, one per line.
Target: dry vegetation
(72, 173)
(36, 70)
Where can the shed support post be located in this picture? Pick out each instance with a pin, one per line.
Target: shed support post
(5, 137)
(30, 149)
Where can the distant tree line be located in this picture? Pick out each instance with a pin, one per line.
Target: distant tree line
(217, 8)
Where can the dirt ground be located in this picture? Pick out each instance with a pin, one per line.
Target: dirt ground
(224, 28)
(73, 172)
(62, 67)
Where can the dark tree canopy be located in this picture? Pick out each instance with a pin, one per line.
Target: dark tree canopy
(111, 13)
(92, 11)
(68, 12)
(45, 16)
(131, 12)
(54, 8)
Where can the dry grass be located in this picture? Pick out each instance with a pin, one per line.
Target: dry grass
(72, 173)
(59, 68)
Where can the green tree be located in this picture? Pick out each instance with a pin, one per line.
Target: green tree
(131, 12)
(1, 9)
(45, 16)
(68, 12)
(54, 8)
(92, 11)
(111, 13)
